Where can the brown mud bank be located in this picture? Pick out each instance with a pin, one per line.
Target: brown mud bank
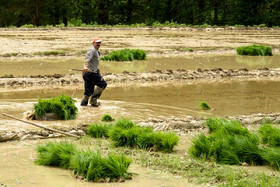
(153, 76)
(179, 125)
(161, 41)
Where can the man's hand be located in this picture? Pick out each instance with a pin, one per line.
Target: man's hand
(85, 70)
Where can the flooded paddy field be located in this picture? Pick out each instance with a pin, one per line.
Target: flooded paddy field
(63, 65)
(159, 91)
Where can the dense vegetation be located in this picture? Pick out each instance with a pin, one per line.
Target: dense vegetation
(63, 106)
(125, 55)
(149, 12)
(254, 50)
(88, 164)
(126, 133)
(232, 143)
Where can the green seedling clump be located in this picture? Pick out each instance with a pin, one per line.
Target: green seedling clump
(255, 50)
(125, 133)
(270, 135)
(231, 143)
(56, 154)
(98, 131)
(204, 105)
(107, 118)
(85, 163)
(125, 55)
(63, 106)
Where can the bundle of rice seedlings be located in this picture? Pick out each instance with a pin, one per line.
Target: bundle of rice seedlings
(131, 135)
(55, 154)
(204, 105)
(99, 130)
(270, 135)
(116, 166)
(255, 50)
(168, 141)
(124, 123)
(227, 126)
(272, 156)
(63, 106)
(107, 118)
(247, 149)
(87, 164)
(91, 166)
(124, 137)
(201, 147)
(229, 143)
(125, 55)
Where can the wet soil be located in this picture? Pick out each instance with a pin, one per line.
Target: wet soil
(184, 66)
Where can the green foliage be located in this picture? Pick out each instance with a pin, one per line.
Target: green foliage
(63, 106)
(270, 135)
(7, 76)
(87, 164)
(255, 50)
(56, 154)
(226, 126)
(107, 118)
(204, 105)
(272, 156)
(124, 123)
(230, 143)
(98, 131)
(125, 133)
(125, 55)
(201, 147)
(48, 53)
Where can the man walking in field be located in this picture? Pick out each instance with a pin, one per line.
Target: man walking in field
(93, 81)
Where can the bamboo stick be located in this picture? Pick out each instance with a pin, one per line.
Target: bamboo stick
(81, 70)
(40, 126)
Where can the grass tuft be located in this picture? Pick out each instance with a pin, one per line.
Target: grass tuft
(255, 50)
(88, 164)
(63, 106)
(125, 133)
(48, 53)
(98, 131)
(125, 55)
(107, 118)
(270, 135)
(204, 105)
(56, 154)
(228, 143)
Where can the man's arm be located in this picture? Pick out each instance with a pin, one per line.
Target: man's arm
(88, 58)
(85, 70)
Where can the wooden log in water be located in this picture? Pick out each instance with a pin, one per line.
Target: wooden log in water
(40, 126)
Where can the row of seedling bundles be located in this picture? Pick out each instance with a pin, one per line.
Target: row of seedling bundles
(88, 164)
(229, 142)
(125, 132)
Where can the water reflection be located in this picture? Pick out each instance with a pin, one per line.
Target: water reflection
(256, 61)
(226, 98)
(46, 66)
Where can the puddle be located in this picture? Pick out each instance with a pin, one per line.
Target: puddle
(62, 65)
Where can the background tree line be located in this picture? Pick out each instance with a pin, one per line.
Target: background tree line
(111, 12)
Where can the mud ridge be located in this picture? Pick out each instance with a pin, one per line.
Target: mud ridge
(180, 125)
(152, 76)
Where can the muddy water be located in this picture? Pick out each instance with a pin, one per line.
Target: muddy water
(226, 98)
(18, 169)
(61, 65)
